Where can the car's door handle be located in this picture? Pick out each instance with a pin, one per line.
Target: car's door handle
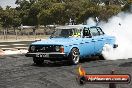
(86, 42)
(100, 40)
(93, 40)
(81, 43)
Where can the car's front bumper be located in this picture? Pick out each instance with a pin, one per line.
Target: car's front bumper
(46, 55)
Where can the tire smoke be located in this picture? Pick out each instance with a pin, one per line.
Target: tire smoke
(119, 26)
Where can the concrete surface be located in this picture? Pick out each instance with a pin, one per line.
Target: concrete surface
(18, 71)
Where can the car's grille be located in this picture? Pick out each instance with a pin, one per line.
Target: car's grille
(44, 48)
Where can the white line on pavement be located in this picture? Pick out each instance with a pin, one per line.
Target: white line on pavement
(4, 45)
(19, 44)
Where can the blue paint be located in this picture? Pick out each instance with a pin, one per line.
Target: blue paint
(87, 45)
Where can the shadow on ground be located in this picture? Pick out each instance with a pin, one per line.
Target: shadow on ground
(65, 63)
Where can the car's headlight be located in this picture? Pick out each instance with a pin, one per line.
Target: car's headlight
(32, 48)
(62, 49)
(57, 48)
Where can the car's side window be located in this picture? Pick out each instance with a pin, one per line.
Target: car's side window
(76, 33)
(100, 31)
(66, 32)
(94, 31)
(86, 32)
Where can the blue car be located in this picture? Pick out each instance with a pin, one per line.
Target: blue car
(72, 43)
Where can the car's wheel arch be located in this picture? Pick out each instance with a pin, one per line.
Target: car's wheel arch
(74, 55)
(72, 48)
(110, 46)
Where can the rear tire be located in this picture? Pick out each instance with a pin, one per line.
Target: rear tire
(38, 61)
(74, 56)
(106, 52)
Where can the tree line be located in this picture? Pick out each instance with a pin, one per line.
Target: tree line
(45, 12)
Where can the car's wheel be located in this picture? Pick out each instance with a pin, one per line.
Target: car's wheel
(106, 52)
(74, 56)
(38, 61)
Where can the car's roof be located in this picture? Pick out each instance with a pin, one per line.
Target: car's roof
(74, 26)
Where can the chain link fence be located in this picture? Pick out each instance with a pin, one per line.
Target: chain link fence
(25, 33)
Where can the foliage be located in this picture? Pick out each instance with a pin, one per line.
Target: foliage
(128, 6)
(44, 12)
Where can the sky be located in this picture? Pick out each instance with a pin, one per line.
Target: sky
(4, 3)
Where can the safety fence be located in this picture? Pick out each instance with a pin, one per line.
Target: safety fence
(24, 34)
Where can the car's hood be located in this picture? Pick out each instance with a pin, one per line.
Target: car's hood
(58, 41)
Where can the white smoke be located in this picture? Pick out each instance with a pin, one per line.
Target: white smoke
(119, 26)
(91, 22)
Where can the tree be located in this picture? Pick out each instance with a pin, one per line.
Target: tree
(127, 6)
(44, 12)
(109, 11)
(16, 22)
(58, 13)
(91, 10)
(1, 10)
(7, 17)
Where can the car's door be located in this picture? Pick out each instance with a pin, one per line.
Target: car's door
(102, 37)
(88, 44)
(97, 38)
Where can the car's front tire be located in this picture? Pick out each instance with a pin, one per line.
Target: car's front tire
(74, 56)
(38, 61)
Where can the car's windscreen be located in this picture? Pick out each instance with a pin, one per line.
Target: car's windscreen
(65, 33)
